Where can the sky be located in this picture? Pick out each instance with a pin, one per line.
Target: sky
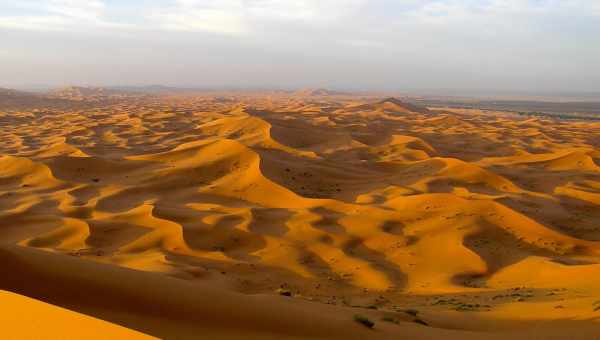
(504, 45)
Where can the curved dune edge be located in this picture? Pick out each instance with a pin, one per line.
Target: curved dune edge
(171, 308)
(474, 221)
(25, 318)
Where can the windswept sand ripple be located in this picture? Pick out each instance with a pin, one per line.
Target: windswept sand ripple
(480, 222)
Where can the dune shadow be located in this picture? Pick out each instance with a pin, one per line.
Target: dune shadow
(270, 222)
(393, 227)
(110, 236)
(224, 236)
(566, 215)
(84, 194)
(125, 200)
(355, 247)
(328, 221)
(499, 249)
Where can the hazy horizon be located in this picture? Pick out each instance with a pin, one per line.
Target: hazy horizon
(491, 94)
(511, 46)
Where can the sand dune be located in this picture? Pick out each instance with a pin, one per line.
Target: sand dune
(184, 216)
(31, 319)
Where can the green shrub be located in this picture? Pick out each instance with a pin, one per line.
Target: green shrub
(364, 320)
(412, 312)
(419, 321)
(390, 319)
(284, 292)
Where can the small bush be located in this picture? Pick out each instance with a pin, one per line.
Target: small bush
(364, 321)
(284, 292)
(390, 319)
(412, 312)
(419, 321)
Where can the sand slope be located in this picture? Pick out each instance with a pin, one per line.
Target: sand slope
(25, 318)
(479, 223)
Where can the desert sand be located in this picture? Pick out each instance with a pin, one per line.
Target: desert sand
(287, 216)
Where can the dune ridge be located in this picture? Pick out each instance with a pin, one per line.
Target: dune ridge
(351, 206)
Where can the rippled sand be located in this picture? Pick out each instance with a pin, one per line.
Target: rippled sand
(454, 225)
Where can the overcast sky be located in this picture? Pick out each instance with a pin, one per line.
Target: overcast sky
(535, 45)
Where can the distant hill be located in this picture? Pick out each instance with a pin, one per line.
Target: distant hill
(14, 99)
(318, 92)
(8, 92)
(64, 98)
(151, 89)
(84, 93)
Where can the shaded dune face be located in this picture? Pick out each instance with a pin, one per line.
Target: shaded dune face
(343, 202)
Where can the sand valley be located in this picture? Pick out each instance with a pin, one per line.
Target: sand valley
(276, 215)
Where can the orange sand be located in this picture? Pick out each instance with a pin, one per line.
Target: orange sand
(181, 217)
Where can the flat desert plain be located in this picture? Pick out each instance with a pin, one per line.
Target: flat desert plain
(277, 216)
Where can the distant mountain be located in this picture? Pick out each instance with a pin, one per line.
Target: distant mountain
(63, 98)
(12, 95)
(318, 92)
(84, 93)
(8, 92)
(15, 100)
(151, 89)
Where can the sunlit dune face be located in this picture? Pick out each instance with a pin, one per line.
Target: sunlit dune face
(323, 196)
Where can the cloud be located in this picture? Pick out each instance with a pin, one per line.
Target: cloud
(32, 22)
(86, 10)
(208, 16)
(56, 15)
(436, 41)
(251, 16)
(216, 16)
(244, 16)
